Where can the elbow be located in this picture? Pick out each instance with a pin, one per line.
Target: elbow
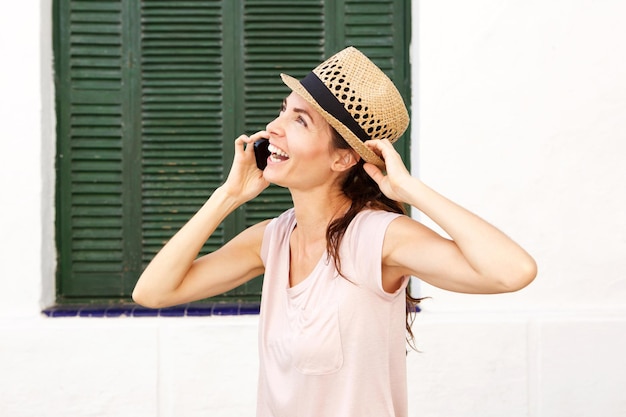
(147, 294)
(139, 297)
(521, 276)
(143, 299)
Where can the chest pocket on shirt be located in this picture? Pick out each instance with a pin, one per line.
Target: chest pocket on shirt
(317, 347)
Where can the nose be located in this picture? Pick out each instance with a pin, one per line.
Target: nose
(275, 128)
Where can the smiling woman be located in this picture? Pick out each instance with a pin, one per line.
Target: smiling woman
(333, 329)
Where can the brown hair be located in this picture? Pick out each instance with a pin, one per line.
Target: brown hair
(363, 192)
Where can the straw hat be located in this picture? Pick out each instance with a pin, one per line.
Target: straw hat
(356, 98)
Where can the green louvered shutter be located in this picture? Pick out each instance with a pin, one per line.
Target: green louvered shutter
(182, 134)
(140, 134)
(91, 117)
(150, 97)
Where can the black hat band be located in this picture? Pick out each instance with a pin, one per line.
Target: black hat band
(322, 95)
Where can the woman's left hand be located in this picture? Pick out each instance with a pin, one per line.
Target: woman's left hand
(478, 259)
(394, 183)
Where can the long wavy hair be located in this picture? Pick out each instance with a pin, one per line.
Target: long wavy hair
(363, 193)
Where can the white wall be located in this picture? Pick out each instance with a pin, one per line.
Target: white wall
(522, 107)
(518, 114)
(20, 156)
(521, 117)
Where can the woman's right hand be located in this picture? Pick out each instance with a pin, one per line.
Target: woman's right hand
(245, 180)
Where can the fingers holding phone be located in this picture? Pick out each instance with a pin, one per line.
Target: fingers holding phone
(245, 180)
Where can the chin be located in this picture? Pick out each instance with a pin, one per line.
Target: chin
(273, 177)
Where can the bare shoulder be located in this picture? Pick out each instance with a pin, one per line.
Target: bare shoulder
(250, 238)
(407, 241)
(405, 230)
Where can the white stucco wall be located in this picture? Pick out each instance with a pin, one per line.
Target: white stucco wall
(523, 119)
(518, 114)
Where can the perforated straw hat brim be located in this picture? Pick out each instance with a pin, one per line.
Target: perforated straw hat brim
(356, 98)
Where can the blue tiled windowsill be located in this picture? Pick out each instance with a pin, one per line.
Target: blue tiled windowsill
(218, 308)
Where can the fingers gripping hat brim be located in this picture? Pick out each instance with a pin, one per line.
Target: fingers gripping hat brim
(356, 98)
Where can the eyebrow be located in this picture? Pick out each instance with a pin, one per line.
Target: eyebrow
(306, 113)
(300, 111)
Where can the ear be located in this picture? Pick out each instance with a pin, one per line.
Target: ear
(344, 159)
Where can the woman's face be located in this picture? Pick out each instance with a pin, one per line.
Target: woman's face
(300, 142)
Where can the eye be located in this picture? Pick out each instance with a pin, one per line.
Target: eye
(283, 107)
(301, 120)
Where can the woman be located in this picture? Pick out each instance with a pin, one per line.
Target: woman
(332, 322)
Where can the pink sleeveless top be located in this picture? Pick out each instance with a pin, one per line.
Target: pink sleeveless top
(331, 346)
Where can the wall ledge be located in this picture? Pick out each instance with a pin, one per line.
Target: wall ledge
(216, 308)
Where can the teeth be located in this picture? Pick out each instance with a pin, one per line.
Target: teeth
(273, 149)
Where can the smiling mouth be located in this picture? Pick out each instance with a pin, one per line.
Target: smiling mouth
(277, 154)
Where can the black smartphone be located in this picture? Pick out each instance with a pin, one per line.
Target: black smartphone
(261, 153)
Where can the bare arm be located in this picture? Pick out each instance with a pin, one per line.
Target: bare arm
(479, 258)
(175, 276)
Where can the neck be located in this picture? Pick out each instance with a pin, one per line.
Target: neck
(314, 211)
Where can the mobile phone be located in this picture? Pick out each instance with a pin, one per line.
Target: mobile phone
(261, 153)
